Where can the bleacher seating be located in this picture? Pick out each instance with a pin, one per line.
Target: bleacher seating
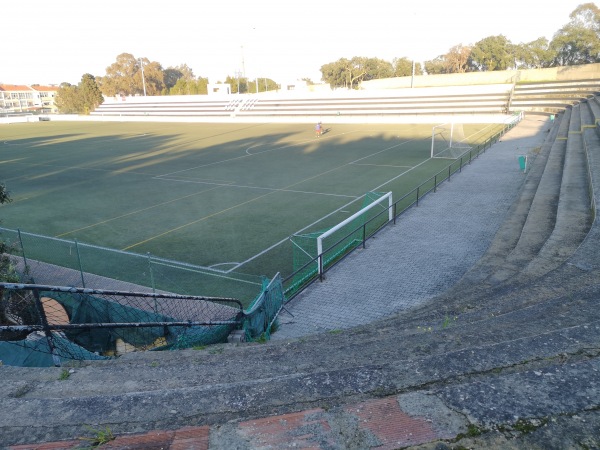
(552, 97)
(546, 97)
(486, 99)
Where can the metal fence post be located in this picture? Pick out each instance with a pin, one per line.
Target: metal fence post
(151, 273)
(22, 247)
(47, 332)
(79, 261)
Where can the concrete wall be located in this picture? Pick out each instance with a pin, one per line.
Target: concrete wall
(567, 73)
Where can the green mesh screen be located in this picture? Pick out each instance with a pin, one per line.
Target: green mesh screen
(337, 244)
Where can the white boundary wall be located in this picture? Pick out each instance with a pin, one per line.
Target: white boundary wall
(405, 118)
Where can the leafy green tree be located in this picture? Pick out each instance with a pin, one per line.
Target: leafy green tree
(492, 53)
(436, 66)
(578, 42)
(68, 100)
(120, 78)
(153, 77)
(190, 87)
(349, 73)
(173, 74)
(533, 55)
(124, 77)
(376, 68)
(403, 67)
(239, 85)
(458, 59)
(266, 84)
(90, 93)
(80, 99)
(334, 73)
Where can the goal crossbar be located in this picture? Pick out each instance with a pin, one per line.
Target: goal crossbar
(354, 216)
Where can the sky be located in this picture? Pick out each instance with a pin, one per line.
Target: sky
(60, 40)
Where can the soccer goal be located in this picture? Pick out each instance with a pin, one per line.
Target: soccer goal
(325, 247)
(448, 141)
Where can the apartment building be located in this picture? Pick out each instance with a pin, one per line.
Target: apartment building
(19, 99)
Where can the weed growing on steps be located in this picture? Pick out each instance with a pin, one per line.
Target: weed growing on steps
(100, 437)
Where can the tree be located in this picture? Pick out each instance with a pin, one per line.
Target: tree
(239, 85)
(533, 55)
(436, 66)
(90, 93)
(578, 42)
(334, 73)
(190, 87)
(349, 73)
(120, 77)
(153, 78)
(267, 84)
(80, 99)
(67, 99)
(173, 74)
(458, 59)
(403, 67)
(124, 77)
(492, 53)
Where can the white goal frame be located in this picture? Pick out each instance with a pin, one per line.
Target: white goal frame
(451, 139)
(329, 232)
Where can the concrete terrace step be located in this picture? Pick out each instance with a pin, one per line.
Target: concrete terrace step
(508, 235)
(244, 381)
(594, 104)
(541, 216)
(573, 214)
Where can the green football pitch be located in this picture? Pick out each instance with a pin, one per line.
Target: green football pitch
(226, 196)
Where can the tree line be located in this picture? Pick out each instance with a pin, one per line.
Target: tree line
(578, 42)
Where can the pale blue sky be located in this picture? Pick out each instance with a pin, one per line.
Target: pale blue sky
(60, 40)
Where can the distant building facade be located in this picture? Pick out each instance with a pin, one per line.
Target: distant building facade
(18, 99)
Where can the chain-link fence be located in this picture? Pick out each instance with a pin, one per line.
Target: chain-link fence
(50, 325)
(60, 262)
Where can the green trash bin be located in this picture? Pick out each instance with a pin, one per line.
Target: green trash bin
(523, 162)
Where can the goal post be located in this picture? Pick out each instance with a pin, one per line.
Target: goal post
(448, 141)
(313, 251)
(362, 213)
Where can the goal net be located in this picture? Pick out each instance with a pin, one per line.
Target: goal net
(448, 141)
(316, 250)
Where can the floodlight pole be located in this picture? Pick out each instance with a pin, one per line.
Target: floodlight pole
(143, 78)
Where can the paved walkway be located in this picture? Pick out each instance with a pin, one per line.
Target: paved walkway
(429, 248)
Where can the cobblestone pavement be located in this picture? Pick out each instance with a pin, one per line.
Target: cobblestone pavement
(429, 248)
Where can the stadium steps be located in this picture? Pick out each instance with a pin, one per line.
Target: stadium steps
(552, 97)
(573, 214)
(509, 233)
(163, 390)
(541, 216)
(546, 225)
(594, 105)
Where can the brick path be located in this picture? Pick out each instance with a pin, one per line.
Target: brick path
(427, 251)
